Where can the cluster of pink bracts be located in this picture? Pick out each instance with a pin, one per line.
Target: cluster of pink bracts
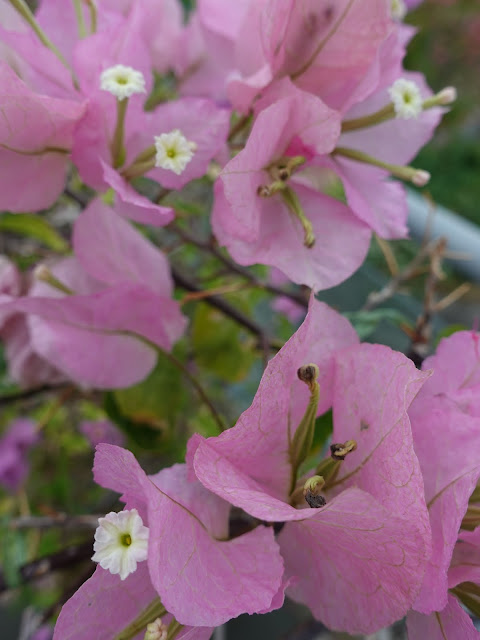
(320, 89)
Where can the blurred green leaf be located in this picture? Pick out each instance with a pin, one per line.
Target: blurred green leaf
(149, 409)
(13, 553)
(449, 331)
(219, 345)
(33, 226)
(366, 322)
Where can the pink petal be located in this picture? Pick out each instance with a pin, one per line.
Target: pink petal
(74, 333)
(376, 199)
(112, 251)
(32, 127)
(104, 605)
(203, 581)
(455, 375)
(258, 444)
(465, 564)
(374, 387)
(358, 565)
(350, 33)
(341, 244)
(132, 204)
(452, 623)
(438, 426)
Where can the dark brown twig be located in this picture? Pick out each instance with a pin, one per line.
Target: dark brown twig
(212, 247)
(227, 309)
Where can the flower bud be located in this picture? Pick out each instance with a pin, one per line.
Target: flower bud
(339, 451)
(420, 178)
(308, 373)
(447, 95)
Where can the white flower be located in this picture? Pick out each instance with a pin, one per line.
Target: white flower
(398, 9)
(174, 151)
(156, 630)
(122, 81)
(406, 98)
(121, 540)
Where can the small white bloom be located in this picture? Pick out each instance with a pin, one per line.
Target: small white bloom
(122, 81)
(121, 540)
(156, 630)
(174, 151)
(406, 98)
(398, 9)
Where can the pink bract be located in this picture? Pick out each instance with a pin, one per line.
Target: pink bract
(444, 418)
(206, 580)
(374, 530)
(121, 291)
(36, 135)
(262, 229)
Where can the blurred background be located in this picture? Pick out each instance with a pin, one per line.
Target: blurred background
(447, 50)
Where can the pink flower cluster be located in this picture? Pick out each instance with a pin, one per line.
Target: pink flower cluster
(390, 536)
(301, 113)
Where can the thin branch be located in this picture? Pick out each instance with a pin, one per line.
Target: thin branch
(61, 520)
(422, 333)
(376, 298)
(227, 309)
(25, 394)
(198, 387)
(212, 248)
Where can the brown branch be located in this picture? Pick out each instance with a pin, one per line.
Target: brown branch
(212, 248)
(61, 520)
(26, 394)
(376, 298)
(227, 309)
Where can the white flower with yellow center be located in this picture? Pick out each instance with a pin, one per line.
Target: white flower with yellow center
(406, 98)
(174, 151)
(121, 540)
(122, 81)
(156, 630)
(398, 9)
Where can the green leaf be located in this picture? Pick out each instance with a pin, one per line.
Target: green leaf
(219, 345)
(13, 553)
(365, 322)
(33, 226)
(148, 410)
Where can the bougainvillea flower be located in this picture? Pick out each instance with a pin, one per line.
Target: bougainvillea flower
(208, 579)
(375, 199)
(446, 417)
(97, 431)
(263, 216)
(120, 287)
(368, 546)
(326, 48)
(25, 367)
(84, 615)
(452, 623)
(14, 445)
(36, 134)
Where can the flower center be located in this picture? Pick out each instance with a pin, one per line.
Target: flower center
(173, 151)
(126, 540)
(122, 81)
